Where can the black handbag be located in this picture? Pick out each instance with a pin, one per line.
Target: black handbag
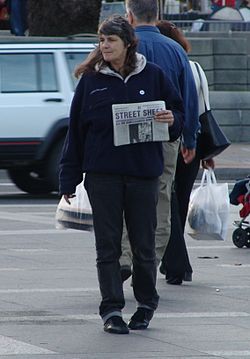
(211, 140)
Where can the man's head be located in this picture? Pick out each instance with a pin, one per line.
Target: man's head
(142, 12)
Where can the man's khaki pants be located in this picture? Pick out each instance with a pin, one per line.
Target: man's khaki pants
(162, 235)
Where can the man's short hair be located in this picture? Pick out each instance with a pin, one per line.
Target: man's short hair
(143, 10)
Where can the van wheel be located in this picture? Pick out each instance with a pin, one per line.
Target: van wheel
(53, 164)
(30, 180)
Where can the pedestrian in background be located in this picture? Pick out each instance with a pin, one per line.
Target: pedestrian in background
(171, 57)
(121, 181)
(18, 16)
(176, 264)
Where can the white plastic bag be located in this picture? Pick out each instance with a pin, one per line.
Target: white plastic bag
(77, 214)
(209, 208)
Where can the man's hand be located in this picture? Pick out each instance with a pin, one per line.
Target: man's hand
(187, 154)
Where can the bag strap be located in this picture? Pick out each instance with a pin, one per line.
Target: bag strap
(208, 176)
(201, 83)
(212, 175)
(204, 177)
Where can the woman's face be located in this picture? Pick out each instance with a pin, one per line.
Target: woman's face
(113, 50)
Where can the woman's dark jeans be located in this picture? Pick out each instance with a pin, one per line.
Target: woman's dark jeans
(114, 197)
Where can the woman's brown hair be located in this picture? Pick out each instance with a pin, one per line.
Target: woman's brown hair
(114, 25)
(169, 29)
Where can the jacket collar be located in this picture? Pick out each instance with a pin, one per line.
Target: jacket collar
(141, 28)
(140, 65)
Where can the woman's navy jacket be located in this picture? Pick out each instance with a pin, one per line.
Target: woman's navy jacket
(89, 142)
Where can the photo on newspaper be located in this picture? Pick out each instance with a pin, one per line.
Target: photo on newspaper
(134, 123)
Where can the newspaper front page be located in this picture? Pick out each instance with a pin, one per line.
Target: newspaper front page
(134, 123)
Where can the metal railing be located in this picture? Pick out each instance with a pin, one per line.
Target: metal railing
(211, 25)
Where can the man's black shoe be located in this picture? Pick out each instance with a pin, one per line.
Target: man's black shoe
(174, 280)
(126, 272)
(116, 325)
(140, 320)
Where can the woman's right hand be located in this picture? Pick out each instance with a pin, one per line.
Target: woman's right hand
(208, 163)
(68, 196)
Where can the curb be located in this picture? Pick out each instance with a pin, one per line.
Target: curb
(228, 174)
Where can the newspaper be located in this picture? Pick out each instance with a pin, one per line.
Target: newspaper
(134, 123)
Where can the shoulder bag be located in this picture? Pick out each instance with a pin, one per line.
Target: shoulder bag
(211, 140)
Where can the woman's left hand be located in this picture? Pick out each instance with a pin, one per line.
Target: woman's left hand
(165, 116)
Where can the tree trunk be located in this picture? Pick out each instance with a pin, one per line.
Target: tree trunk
(62, 17)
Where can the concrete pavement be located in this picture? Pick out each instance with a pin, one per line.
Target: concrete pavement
(49, 294)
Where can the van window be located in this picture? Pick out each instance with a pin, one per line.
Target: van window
(48, 73)
(73, 59)
(27, 73)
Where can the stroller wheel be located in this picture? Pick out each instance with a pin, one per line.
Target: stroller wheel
(247, 230)
(239, 237)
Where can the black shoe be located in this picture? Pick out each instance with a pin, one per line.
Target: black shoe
(126, 272)
(162, 269)
(140, 320)
(174, 280)
(116, 325)
(187, 277)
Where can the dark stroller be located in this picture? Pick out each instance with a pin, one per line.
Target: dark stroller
(241, 195)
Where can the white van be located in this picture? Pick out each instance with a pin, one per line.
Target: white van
(36, 89)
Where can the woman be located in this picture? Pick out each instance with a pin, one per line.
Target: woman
(120, 180)
(175, 263)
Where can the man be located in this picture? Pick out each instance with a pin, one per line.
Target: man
(170, 56)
